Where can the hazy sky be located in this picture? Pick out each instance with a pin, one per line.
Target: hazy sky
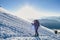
(49, 5)
(52, 6)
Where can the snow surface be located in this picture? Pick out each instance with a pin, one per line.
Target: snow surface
(14, 28)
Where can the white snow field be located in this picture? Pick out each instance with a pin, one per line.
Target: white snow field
(14, 28)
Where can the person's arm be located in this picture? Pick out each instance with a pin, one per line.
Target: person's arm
(32, 23)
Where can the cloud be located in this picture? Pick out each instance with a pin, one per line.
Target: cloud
(30, 12)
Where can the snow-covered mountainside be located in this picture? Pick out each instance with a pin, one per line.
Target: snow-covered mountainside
(4, 10)
(12, 26)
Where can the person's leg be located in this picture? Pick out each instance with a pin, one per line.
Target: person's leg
(36, 31)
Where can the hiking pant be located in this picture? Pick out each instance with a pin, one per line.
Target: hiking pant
(36, 30)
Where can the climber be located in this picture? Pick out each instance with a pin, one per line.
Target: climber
(36, 26)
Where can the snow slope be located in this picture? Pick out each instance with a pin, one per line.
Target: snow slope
(12, 27)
